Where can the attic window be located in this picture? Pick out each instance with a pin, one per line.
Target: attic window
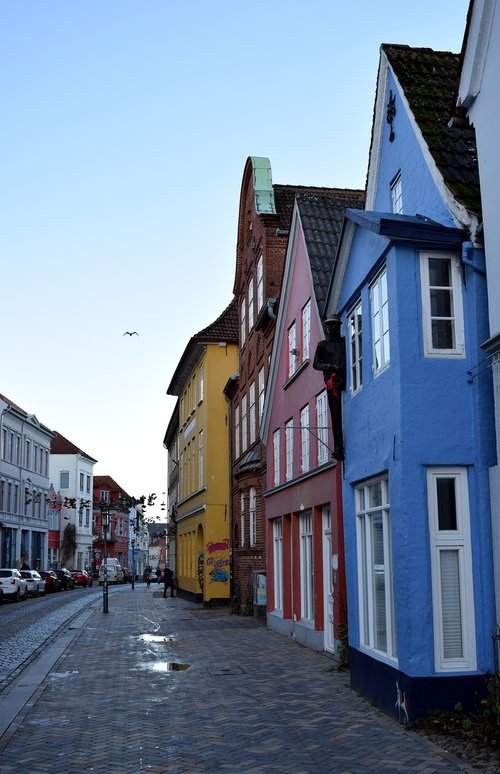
(397, 195)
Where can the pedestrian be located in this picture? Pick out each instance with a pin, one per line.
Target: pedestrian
(147, 574)
(168, 582)
(158, 575)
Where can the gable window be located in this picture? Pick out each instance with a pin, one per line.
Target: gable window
(261, 392)
(278, 563)
(252, 418)
(306, 567)
(380, 323)
(237, 432)
(293, 352)
(355, 347)
(442, 309)
(375, 589)
(243, 323)
(289, 449)
(252, 516)
(242, 519)
(397, 195)
(250, 304)
(304, 439)
(276, 456)
(260, 283)
(451, 569)
(104, 495)
(306, 330)
(322, 427)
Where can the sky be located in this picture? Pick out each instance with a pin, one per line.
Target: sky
(125, 127)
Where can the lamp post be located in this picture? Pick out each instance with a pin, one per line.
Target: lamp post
(105, 525)
(133, 563)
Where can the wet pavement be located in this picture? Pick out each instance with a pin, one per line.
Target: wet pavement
(163, 685)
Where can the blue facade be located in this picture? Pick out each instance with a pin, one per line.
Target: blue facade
(419, 439)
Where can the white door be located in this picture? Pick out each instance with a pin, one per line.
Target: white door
(328, 581)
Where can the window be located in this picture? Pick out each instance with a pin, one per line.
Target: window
(253, 418)
(306, 567)
(289, 449)
(276, 456)
(451, 569)
(376, 596)
(237, 431)
(306, 330)
(355, 347)
(322, 423)
(88, 484)
(104, 495)
(201, 460)
(304, 439)
(260, 284)
(27, 454)
(250, 304)
(2, 484)
(442, 310)
(201, 382)
(82, 481)
(278, 563)
(243, 323)
(80, 516)
(380, 323)
(244, 424)
(397, 194)
(87, 517)
(242, 519)
(262, 392)
(64, 480)
(293, 352)
(252, 516)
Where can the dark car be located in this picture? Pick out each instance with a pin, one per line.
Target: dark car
(81, 578)
(52, 582)
(66, 579)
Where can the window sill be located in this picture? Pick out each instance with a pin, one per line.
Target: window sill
(296, 373)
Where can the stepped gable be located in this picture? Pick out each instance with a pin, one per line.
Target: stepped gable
(61, 445)
(429, 80)
(224, 328)
(322, 216)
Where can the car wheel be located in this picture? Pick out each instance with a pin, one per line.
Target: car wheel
(36, 592)
(17, 596)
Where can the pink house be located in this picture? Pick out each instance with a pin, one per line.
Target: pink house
(305, 556)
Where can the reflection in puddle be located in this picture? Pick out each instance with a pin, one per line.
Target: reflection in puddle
(165, 666)
(157, 638)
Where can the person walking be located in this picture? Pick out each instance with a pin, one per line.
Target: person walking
(168, 581)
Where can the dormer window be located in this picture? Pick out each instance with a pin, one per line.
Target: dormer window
(397, 195)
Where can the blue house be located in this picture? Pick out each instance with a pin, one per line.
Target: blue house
(410, 286)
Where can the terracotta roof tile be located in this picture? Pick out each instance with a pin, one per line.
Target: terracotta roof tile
(61, 445)
(224, 328)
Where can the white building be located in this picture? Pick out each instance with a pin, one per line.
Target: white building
(71, 473)
(24, 486)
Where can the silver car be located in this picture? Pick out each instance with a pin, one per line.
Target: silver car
(13, 584)
(36, 584)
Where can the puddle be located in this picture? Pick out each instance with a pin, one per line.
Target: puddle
(165, 666)
(157, 638)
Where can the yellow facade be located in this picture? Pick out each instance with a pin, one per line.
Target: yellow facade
(203, 518)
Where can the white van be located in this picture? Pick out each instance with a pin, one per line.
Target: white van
(115, 572)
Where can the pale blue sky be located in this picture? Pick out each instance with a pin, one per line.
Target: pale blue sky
(125, 129)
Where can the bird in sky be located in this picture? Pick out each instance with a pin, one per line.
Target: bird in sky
(130, 333)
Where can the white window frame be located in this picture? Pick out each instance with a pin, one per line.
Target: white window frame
(244, 424)
(304, 439)
(262, 391)
(201, 382)
(276, 457)
(306, 566)
(243, 323)
(376, 602)
(237, 431)
(252, 515)
(242, 519)
(278, 563)
(306, 330)
(252, 413)
(293, 354)
(201, 458)
(379, 300)
(260, 283)
(322, 427)
(454, 618)
(355, 325)
(251, 302)
(289, 450)
(397, 195)
(457, 316)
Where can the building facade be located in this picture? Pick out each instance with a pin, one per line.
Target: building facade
(113, 538)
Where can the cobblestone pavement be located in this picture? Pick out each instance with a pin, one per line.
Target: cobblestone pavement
(165, 686)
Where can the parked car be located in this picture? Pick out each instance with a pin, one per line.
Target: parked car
(66, 579)
(52, 582)
(36, 584)
(115, 572)
(13, 584)
(81, 578)
(1, 595)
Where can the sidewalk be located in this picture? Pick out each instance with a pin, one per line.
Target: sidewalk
(165, 686)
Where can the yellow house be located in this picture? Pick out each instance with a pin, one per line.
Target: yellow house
(203, 510)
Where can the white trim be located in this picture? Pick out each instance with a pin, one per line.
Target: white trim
(457, 317)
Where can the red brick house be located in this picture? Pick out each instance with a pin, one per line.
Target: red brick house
(108, 492)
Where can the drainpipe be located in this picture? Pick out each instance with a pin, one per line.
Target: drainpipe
(467, 248)
(230, 450)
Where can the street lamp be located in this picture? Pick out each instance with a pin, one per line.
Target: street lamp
(133, 563)
(105, 525)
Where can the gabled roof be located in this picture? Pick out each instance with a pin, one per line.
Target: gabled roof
(61, 445)
(101, 482)
(223, 329)
(429, 80)
(24, 414)
(322, 215)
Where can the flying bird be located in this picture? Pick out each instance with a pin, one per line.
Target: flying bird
(130, 333)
